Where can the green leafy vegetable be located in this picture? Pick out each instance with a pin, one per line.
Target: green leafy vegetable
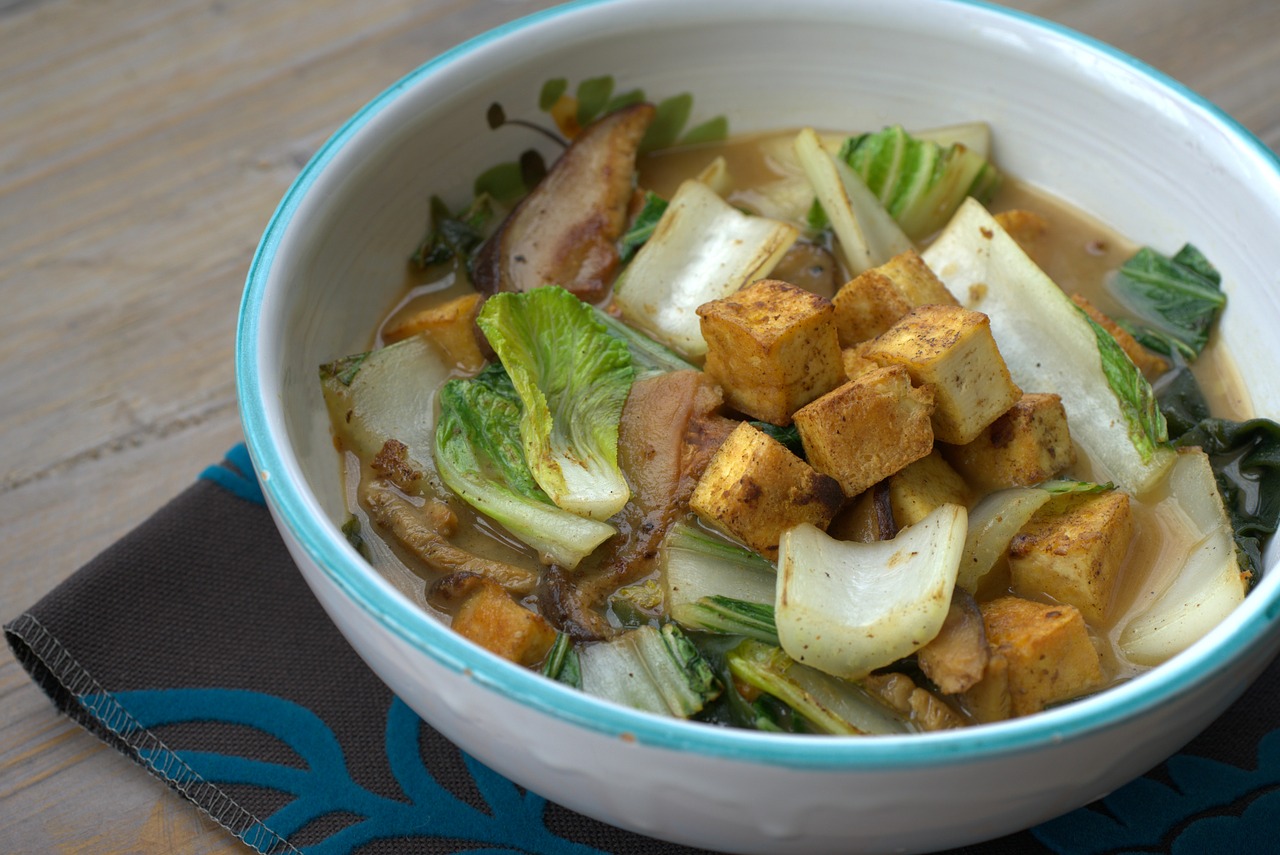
(1174, 301)
(866, 234)
(919, 181)
(727, 616)
(703, 249)
(848, 608)
(1245, 457)
(647, 356)
(635, 605)
(562, 662)
(1050, 346)
(454, 237)
(572, 378)
(1193, 596)
(479, 455)
(656, 670)
(1147, 428)
(643, 225)
(696, 564)
(831, 705)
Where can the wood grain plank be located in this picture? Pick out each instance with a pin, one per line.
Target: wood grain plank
(143, 146)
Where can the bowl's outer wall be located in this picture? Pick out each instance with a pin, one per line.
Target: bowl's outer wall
(1096, 128)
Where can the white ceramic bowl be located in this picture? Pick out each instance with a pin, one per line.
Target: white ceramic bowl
(1119, 140)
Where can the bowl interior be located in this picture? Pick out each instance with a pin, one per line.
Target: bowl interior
(1130, 147)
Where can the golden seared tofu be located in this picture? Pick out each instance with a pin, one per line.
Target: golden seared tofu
(870, 303)
(1047, 652)
(773, 348)
(951, 349)
(1027, 445)
(489, 616)
(855, 363)
(918, 489)
(1072, 550)
(867, 429)
(754, 489)
(451, 325)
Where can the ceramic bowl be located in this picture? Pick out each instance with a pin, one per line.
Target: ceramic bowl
(1110, 135)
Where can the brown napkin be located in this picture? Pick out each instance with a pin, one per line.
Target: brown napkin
(194, 647)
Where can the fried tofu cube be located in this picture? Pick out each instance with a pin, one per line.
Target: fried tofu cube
(867, 429)
(951, 349)
(1047, 650)
(754, 489)
(1072, 550)
(1029, 444)
(855, 363)
(875, 300)
(773, 348)
(1148, 363)
(489, 616)
(451, 325)
(919, 488)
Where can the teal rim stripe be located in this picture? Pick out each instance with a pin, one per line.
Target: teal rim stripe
(325, 546)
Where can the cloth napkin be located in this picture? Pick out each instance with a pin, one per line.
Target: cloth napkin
(194, 647)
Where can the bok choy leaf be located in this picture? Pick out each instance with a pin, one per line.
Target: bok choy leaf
(866, 234)
(702, 249)
(572, 378)
(1174, 301)
(847, 608)
(1193, 598)
(1051, 346)
(829, 704)
(655, 670)
(479, 455)
(919, 181)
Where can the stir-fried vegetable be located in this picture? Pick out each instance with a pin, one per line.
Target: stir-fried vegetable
(1049, 344)
(1174, 301)
(478, 455)
(914, 472)
(701, 249)
(866, 232)
(572, 378)
(920, 182)
(656, 670)
(849, 608)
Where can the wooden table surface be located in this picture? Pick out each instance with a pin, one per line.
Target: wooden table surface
(143, 146)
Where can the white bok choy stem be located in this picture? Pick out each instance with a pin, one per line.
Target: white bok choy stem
(848, 608)
(1052, 346)
(865, 232)
(702, 249)
(1205, 587)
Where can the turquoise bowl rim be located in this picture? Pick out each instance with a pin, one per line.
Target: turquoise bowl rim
(324, 545)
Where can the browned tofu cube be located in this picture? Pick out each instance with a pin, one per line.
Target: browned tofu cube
(870, 303)
(867, 429)
(919, 488)
(855, 363)
(1072, 550)
(451, 325)
(754, 489)
(1027, 445)
(772, 347)
(951, 349)
(989, 700)
(1047, 649)
(489, 616)
(1148, 363)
